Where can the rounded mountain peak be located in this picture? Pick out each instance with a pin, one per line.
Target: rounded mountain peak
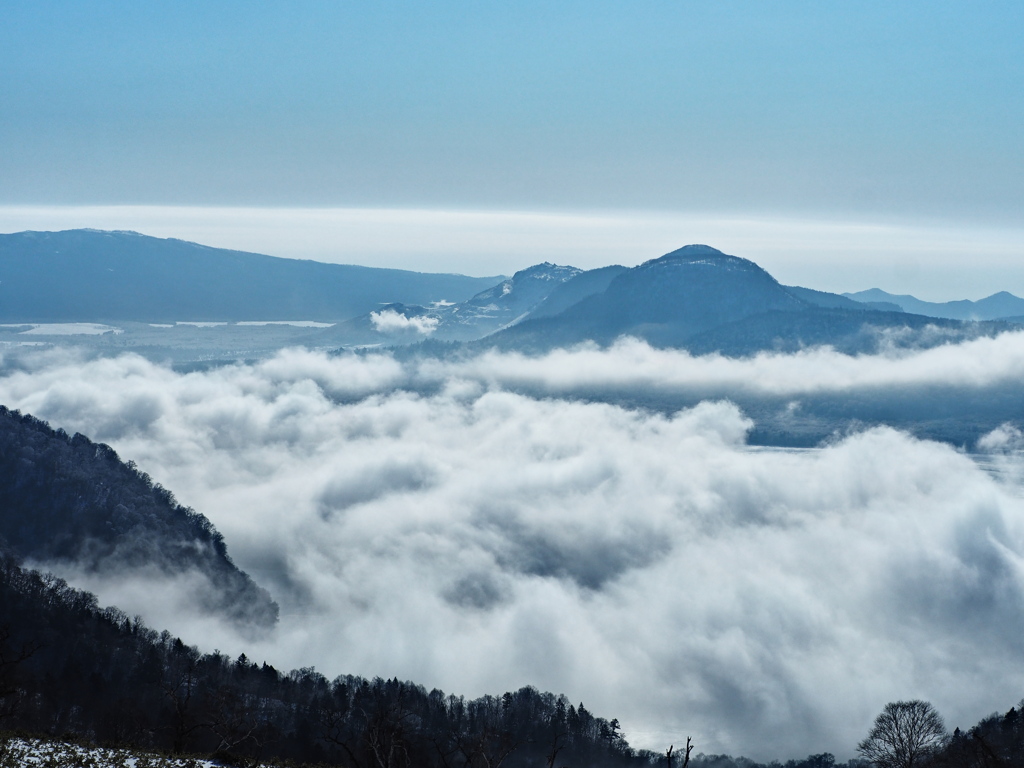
(546, 271)
(695, 249)
(702, 254)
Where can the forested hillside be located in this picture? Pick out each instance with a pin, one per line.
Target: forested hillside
(71, 669)
(68, 667)
(66, 499)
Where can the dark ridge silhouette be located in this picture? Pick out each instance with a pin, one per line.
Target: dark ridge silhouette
(573, 291)
(72, 670)
(66, 499)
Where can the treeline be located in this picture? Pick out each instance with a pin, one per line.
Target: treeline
(912, 734)
(70, 669)
(995, 742)
(65, 498)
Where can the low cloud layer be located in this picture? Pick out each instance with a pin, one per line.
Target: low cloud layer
(421, 520)
(633, 364)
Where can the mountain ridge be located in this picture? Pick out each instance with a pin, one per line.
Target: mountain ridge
(1001, 305)
(670, 300)
(95, 275)
(699, 298)
(497, 307)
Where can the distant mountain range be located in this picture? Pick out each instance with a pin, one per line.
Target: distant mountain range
(696, 298)
(998, 306)
(541, 290)
(703, 300)
(87, 275)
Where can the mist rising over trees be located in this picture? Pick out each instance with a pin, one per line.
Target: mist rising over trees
(70, 669)
(66, 499)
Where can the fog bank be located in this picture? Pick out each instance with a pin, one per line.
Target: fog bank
(421, 520)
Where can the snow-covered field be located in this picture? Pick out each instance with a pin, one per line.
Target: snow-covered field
(22, 753)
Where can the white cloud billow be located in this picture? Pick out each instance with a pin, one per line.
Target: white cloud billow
(390, 321)
(421, 520)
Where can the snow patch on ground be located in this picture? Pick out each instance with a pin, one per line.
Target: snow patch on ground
(28, 753)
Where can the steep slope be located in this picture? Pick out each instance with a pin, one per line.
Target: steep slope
(88, 275)
(506, 303)
(573, 291)
(68, 500)
(687, 291)
(998, 306)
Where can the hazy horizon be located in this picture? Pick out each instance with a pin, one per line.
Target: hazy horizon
(931, 260)
(841, 148)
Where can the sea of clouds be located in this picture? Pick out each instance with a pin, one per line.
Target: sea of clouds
(471, 524)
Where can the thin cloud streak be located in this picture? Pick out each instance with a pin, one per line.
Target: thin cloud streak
(420, 520)
(634, 364)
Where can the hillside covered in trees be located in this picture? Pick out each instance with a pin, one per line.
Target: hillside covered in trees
(70, 669)
(66, 499)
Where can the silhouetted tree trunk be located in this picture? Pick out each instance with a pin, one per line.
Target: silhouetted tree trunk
(487, 749)
(10, 661)
(180, 687)
(555, 749)
(686, 755)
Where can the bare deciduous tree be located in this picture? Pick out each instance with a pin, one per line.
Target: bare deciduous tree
(906, 734)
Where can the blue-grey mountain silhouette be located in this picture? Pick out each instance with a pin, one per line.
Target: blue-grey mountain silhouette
(88, 275)
(998, 306)
(499, 306)
(704, 300)
(838, 301)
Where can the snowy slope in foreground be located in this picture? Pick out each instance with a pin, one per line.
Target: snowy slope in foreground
(36, 752)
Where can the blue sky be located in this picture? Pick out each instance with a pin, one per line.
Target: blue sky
(908, 113)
